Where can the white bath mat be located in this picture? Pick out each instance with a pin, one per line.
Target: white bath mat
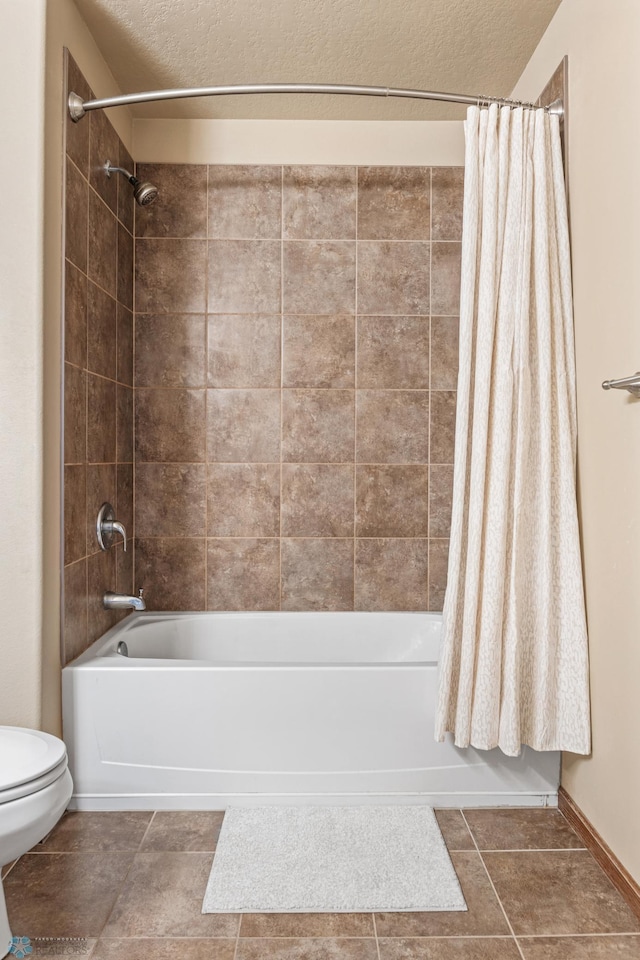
(331, 860)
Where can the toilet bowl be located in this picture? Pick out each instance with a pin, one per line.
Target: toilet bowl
(35, 788)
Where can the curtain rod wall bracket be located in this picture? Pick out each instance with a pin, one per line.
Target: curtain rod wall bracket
(76, 107)
(556, 109)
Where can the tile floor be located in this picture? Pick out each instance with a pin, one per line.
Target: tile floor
(128, 886)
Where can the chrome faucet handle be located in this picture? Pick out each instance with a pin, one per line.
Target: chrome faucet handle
(107, 526)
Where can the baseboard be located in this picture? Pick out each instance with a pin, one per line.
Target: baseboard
(619, 876)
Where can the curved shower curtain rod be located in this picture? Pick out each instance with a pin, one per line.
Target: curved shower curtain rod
(78, 107)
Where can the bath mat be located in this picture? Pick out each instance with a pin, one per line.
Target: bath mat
(331, 860)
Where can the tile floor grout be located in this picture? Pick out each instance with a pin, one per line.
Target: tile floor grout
(495, 892)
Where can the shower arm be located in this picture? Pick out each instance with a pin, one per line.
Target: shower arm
(79, 107)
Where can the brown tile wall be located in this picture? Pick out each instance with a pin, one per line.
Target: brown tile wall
(295, 373)
(98, 371)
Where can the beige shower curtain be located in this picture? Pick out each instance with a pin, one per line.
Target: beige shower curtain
(514, 663)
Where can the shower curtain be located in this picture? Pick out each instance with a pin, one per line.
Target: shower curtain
(514, 663)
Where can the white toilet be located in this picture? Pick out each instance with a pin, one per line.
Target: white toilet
(35, 788)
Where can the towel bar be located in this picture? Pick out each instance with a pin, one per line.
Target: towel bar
(632, 384)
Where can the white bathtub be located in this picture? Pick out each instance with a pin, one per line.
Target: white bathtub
(210, 709)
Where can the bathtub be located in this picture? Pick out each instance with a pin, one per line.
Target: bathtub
(210, 709)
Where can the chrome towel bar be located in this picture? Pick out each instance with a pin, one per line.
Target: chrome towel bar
(632, 384)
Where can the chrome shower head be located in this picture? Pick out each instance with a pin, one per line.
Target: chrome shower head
(143, 192)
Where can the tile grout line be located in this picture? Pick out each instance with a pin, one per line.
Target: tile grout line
(144, 835)
(237, 944)
(375, 933)
(504, 912)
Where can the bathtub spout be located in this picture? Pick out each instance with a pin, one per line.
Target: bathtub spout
(121, 601)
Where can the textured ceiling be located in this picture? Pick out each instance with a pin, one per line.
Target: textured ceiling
(465, 46)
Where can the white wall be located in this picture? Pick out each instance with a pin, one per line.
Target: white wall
(602, 41)
(411, 143)
(32, 36)
(22, 39)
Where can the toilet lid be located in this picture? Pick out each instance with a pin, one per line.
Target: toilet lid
(27, 755)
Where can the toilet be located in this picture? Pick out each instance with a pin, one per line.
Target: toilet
(35, 788)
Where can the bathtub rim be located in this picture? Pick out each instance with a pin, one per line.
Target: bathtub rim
(102, 653)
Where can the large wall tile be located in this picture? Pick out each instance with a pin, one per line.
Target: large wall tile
(244, 276)
(319, 203)
(392, 501)
(102, 353)
(124, 333)
(76, 216)
(394, 203)
(244, 350)
(243, 426)
(392, 426)
(317, 574)
(243, 500)
(170, 350)
(75, 414)
(443, 426)
(172, 573)
(319, 277)
(75, 510)
(245, 202)
(75, 315)
(170, 276)
(438, 564)
(444, 353)
(170, 425)
(75, 610)
(317, 500)
(393, 278)
(447, 185)
(124, 424)
(102, 256)
(101, 420)
(318, 426)
(243, 574)
(440, 499)
(170, 499)
(445, 279)
(318, 351)
(124, 286)
(393, 353)
(180, 209)
(391, 575)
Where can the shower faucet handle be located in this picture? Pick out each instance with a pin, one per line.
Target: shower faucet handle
(107, 526)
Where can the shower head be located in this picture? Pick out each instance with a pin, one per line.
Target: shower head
(143, 192)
